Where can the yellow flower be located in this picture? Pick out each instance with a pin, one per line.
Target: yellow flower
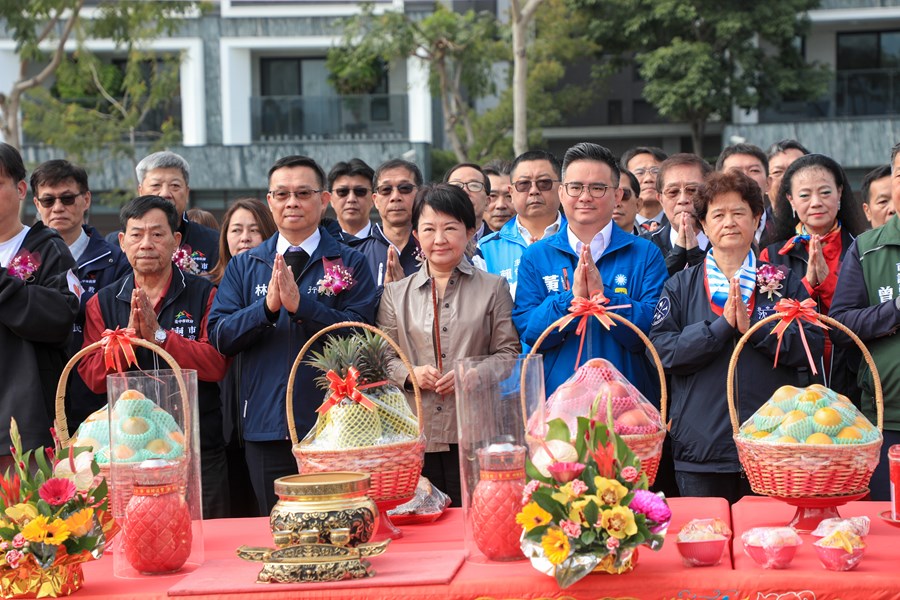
(576, 513)
(57, 532)
(21, 513)
(618, 522)
(533, 516)
(569, 492)
(556, 546)
(610, 491)
(81, 522)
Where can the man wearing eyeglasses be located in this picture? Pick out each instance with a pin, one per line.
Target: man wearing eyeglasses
(475, 183)
(534, 187)
(680, 240)
(643, 162)
(62, 198)
(590, 254)
(351, 186)
(391, 251)
(270, 301)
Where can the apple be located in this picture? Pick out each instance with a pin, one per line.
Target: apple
(633, 418)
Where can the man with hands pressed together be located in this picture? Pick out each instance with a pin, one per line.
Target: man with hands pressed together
(168, 307)
(271, 300)
(589, 254)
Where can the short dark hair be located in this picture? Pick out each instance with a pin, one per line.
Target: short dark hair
(399, 163)
(872, 176)
(723, 182)
(457, 166)
(784, 146)
(355, 167)
(11, 163)
(658, 153)
(594, 152)
(447, 199)
(296, 160)
(53, 172)
(850, 212)
(748, 149)
(497, 167)
(536, 155)
(679, 160)
(633, 184)
(140, 206)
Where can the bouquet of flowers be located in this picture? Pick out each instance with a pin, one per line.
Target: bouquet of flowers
(588, 508)
(55, 517)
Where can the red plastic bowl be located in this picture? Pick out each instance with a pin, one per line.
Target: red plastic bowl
(707, 553)
(771, 558)
(838, 559)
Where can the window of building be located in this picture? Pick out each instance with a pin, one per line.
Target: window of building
(868, 73)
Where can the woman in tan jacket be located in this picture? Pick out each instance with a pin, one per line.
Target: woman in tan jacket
(446, 311)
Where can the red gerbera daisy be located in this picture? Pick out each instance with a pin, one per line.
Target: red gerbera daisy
(57, 491)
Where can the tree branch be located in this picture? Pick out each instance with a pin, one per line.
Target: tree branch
(21, 86)
(529, 10)
(106, 95)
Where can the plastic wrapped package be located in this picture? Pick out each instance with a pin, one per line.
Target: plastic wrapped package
(427, 505)
(856, 525)
(840, 550)
(701, 542)
(771, 547)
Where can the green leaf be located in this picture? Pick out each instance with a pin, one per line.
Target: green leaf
(580, 439)
(40, 457)
(591, 512)
(533, 473)
(588, 536)
(553, 507)
(558, 430)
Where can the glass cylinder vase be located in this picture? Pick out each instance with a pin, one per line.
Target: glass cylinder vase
(494, 395)
(155, 472)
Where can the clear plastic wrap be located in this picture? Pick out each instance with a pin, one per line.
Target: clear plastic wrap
(840, 550)
(427, 505)
(702, 542)
(771, 547)
(856, 525)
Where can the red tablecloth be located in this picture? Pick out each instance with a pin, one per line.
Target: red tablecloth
(805, 579)
(659, 574)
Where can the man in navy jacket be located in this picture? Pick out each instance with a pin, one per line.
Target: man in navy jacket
(269, 304)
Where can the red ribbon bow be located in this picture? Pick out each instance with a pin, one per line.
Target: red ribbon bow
(595, 306)
(791, 310)
(347, 388)
(113, 341)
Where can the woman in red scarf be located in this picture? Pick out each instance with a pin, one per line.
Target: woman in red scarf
(818, 219)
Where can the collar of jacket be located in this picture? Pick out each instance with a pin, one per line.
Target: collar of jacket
(617, 240)
(377, 233)
(423, 278)
(97, 248)
(665, 235)
(177, 285)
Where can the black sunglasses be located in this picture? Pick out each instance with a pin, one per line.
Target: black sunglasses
(359, 192)
(403, 188)
(543, 185)
(66, 199)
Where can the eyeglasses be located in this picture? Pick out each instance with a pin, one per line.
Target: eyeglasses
(626, 194)
(403, 188)
(472, 186)
(596, 190)
(672, 193)
(285, 195)
(543, 185)
(359, 192)
(66, 199)
(642, 171)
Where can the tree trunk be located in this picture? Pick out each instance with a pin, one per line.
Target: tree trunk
(698, 126)
(520, 80)
(11, 119)
(450, 116)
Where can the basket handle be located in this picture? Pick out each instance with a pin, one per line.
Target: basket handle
(659, 368)
(732, 366)
(292, 427)
(62, 426)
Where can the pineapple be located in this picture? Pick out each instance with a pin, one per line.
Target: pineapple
(355, 425)
(397, 420)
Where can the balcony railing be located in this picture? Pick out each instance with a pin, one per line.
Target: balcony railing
(853, 93)
(312, 118)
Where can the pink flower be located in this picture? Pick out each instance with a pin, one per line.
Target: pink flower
(57, 491)
(337, 278)
(629, 474)
(579, 487)
(653, 507)
(24, 264)
(4, 546)
(570, 528)
(13, 557)
(18, 541)
(612, 543)
(530, 487)
(564, 472)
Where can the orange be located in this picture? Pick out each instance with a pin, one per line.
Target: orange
(819, 438)
(809, 396)
(769, 410)
(786, 439)
(850, 433)
(785, 392)
(793, 417)
(124, 452)
(131, 395)
(827, 417)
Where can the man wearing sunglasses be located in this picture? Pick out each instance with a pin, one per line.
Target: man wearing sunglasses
(391, 250)
(351, 185)
(62, 198)
(534, 180)
(680, 240)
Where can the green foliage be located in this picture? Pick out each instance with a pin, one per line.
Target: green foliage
(701, 57)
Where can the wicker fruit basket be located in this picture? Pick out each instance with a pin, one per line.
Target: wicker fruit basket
(121, 494)
(648, 447)
(805, 470)
(394, 468)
